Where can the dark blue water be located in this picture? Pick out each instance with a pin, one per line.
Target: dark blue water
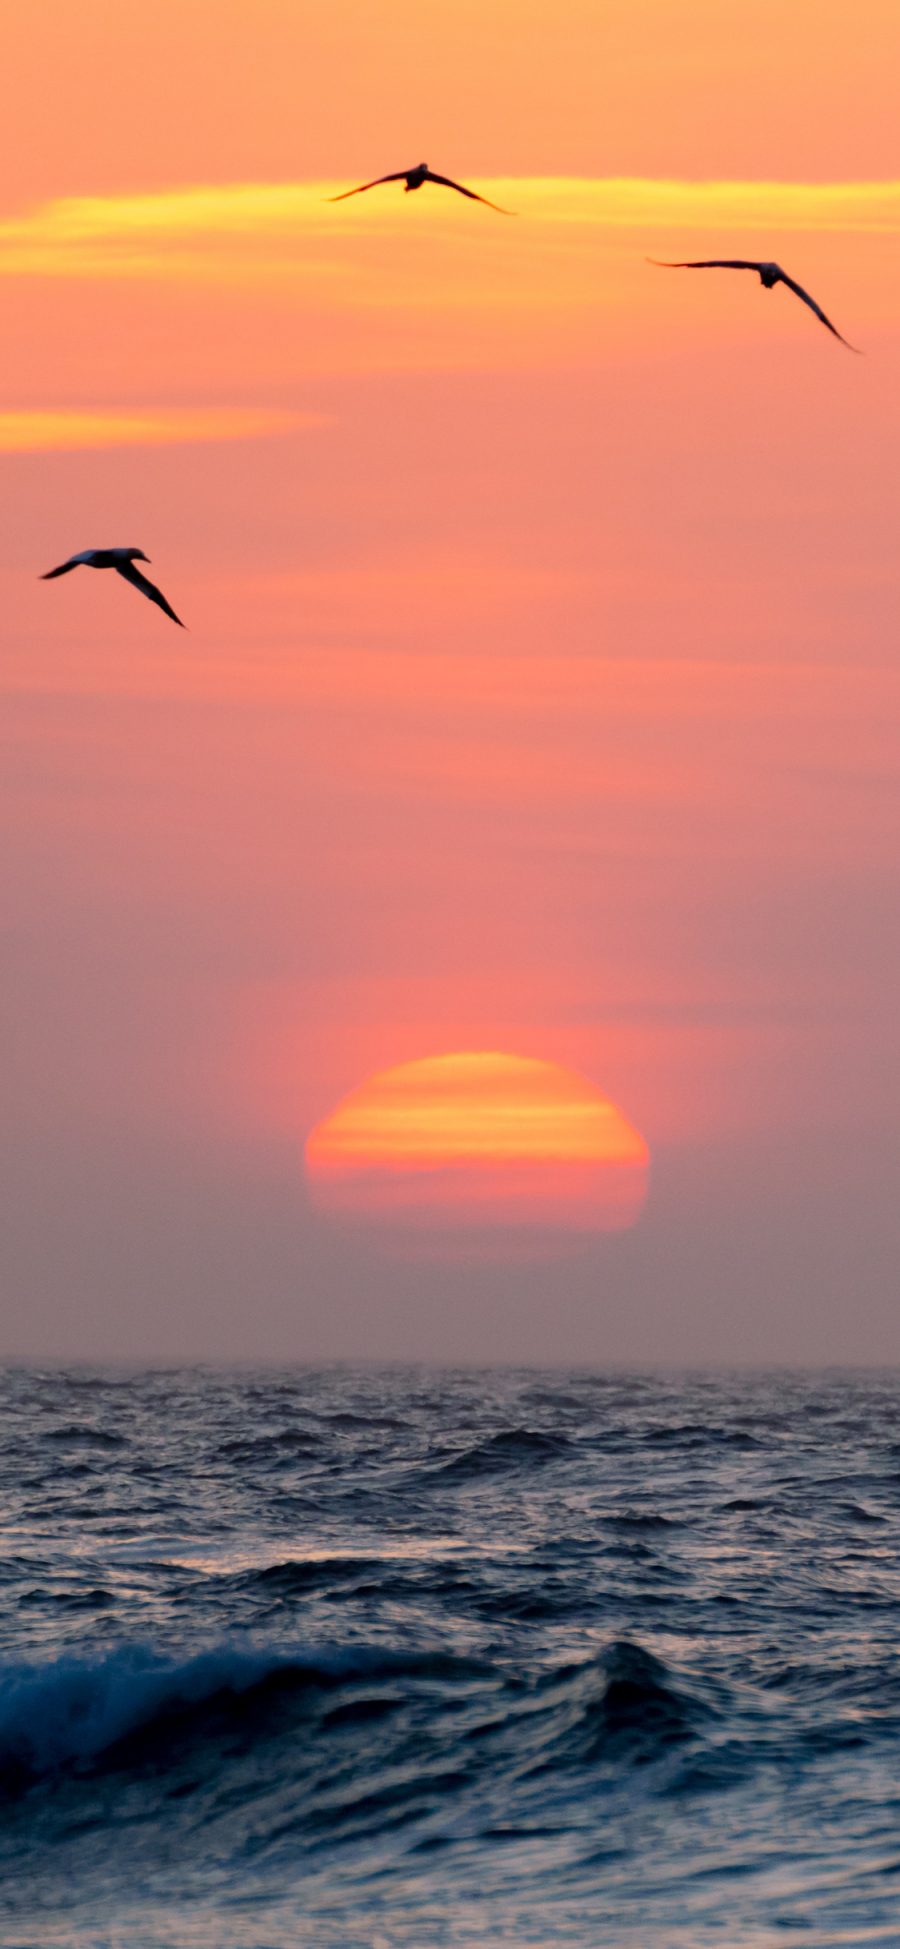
(417, 1659)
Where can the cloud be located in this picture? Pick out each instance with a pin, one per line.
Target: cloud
(275, 227)
(64, 430)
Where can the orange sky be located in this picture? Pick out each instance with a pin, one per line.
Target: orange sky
(540, 689)
(197, 90)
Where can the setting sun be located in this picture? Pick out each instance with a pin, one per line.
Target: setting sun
(480, 1138)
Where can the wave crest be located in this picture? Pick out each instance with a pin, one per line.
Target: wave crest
(76, 1709)
(511, 1448)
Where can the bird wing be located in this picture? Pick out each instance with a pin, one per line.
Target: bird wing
(139, 581)
(74, 561)
(707, 264)
(399, 176)
(807, 300)
(461, 188)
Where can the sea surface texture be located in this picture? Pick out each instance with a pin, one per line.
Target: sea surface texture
(371, 1659)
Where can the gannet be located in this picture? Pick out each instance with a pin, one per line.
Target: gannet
(414, 178)
(123, 561)
(768, 274)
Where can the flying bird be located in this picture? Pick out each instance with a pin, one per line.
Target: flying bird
(768, 274)
(123, 561)
(414, 178)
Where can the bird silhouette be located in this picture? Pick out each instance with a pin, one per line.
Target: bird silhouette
(414, 178)
(123, 561)
(768, 274)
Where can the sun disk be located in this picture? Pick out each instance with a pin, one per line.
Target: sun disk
(479, 1138)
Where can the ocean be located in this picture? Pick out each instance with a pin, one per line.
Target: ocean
(399, 1659)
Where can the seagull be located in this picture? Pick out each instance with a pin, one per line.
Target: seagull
(768, 274)
(123, 561)
(414, 178)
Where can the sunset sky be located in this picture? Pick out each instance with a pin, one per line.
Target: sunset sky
(540, 688)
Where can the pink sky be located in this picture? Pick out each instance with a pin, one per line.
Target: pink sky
(540, 691)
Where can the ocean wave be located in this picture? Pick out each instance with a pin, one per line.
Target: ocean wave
(461, 1680)
(625, 1705)
(641, 1519)
(257, 1754)
(136, 1704)
(511, 1448)
(298, 1576)
(698, 1434)
(75, 1709)
(282, 1444)
(103, 1438)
